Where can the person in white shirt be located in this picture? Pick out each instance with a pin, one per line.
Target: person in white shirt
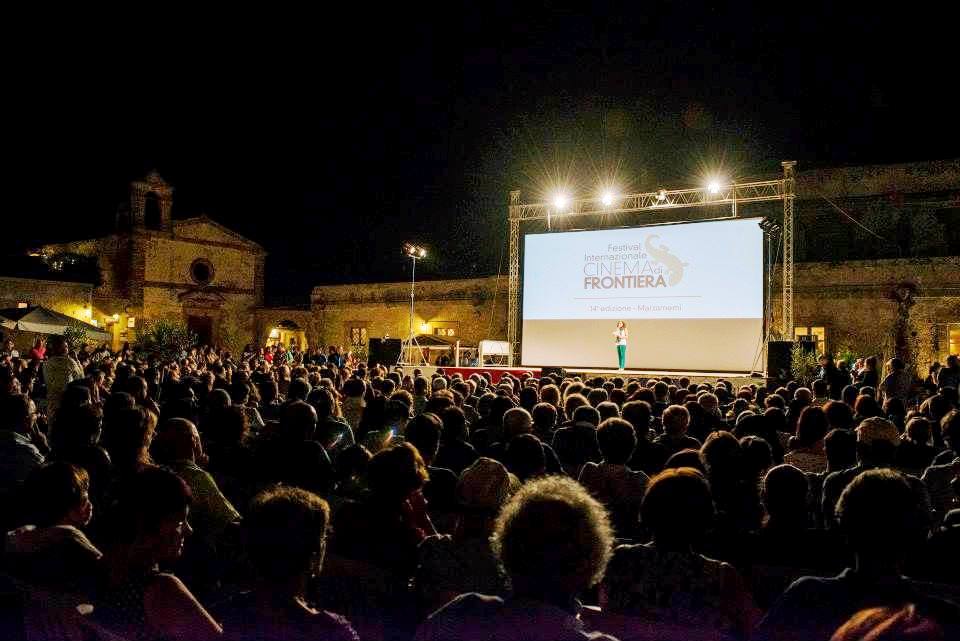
(59, 370)
(620, 334)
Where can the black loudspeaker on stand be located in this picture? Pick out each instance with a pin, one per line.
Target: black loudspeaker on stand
(778, 359)
(556, 372)
(385, 351)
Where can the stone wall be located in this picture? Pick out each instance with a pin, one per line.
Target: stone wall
(857, 303)
(475, 308)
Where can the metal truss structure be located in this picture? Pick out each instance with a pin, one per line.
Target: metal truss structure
(664, 199)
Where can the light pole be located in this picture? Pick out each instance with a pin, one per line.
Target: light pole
(414, 253)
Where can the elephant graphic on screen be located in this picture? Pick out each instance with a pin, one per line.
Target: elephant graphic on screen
(662, 255)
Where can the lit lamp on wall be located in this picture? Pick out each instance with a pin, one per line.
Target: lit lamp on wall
(115, 318)
(424, 328)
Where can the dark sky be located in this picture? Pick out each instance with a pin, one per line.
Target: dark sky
(332, 137)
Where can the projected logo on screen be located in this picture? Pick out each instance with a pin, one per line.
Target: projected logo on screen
(632, 266)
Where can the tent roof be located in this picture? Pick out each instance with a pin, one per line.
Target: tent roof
(44, 320)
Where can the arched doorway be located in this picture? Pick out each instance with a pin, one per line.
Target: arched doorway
(287, 333)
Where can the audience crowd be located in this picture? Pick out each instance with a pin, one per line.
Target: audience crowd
(279, 494)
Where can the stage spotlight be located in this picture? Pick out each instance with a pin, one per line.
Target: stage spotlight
(608, 198)
(714, 186)
(662, 195)
(560, 201)
(414, 251)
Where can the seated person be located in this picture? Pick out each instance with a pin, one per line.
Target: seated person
(881, 518)
(570, 558)
(611, 482)
(676, 419)
(52, 551)
(277, 609)
(666, 582)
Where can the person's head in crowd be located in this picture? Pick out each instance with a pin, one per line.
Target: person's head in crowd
(812, 426)
(423, 432)
(227, 427)
(298, 422)
(544, 418)
(550, 394)
(150, 517)
(867, 390)
(849, 395)
(239, 393)
(516, 421)
(439, 401)
(936, 407)
(298, 390)
(58, 493)
(571, 555)
(395, 473)
(710, 403)
(918, 430)
(673, 528)
(757, 456)
(775, 400)
(608, 409)
(882, 519)
(454, 425)
(722, 457)
(177, 440)
(866, 407)
(775, 419)
(661, 391)
(586, 414)
(17, 413)
(950, 429)
(323, 402)
(438, 383)
(839, 415)
(78, 428)
(402, 396)
(676, 419)
(597, 396)
(285, 533)
(218, 400)
(644, 394)
(899, 623)
(75, 395)
(685, 458)
(803, 395)
(618, 396)
(525, 457)
(784, 495)
(840, 446)
(820, 388)
(617, 440)
(352, 463)
(269, 391)
(529, 397)
(58, 345)
(127, 438)
(136, 386)
(573, 402)
(638, 414)
(877, 441)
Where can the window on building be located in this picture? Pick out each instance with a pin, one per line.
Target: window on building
(444, 331)
(954, 347)
(358, 335)
(814, 334)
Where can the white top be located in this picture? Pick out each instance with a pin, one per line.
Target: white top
(621, 334)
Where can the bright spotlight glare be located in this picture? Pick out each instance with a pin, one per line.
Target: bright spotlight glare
(607, 198)
(560, 201)
(714, 187)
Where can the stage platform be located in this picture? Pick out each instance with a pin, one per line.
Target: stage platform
(737, 378)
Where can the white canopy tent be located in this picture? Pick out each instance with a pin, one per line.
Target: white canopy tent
(41, 320)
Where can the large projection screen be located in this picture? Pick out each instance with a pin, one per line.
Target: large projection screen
(691, 295)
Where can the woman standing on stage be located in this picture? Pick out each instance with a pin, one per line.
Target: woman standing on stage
(621, 336)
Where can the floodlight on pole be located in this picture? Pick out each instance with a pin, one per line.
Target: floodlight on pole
(560, 201)
(714, 187)
(414, 252)
(608, 198)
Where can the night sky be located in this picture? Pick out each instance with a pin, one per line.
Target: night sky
(332, 137)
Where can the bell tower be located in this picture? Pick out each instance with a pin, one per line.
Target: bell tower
(151, 200)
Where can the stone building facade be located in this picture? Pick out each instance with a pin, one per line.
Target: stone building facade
(154, 267)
